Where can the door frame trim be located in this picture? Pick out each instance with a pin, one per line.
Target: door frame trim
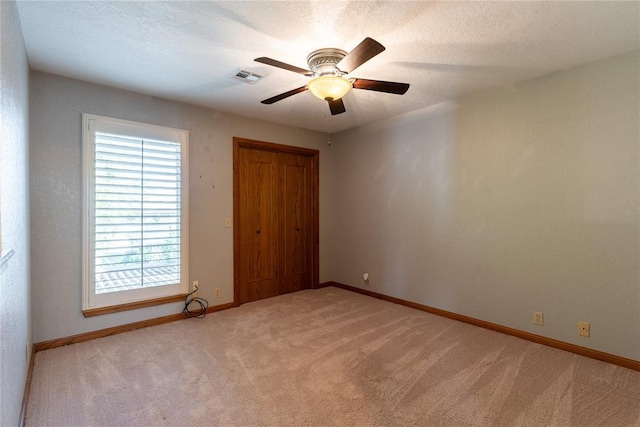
(239, 143)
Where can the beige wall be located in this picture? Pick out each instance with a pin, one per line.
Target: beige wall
(517, 199)
(55, 120)
(15, 324)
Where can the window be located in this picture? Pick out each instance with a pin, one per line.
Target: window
(135, 213)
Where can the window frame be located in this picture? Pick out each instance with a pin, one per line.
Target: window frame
(93, 303)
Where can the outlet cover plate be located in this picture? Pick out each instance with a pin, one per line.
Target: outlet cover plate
(584, 329)
(538, 318)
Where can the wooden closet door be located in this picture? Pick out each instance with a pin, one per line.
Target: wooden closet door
(259, 200)
(275, 194)
(296, 227)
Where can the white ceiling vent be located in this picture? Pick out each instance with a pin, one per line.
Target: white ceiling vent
(246, 76)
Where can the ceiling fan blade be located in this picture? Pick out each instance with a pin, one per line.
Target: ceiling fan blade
(366, 50)
(381, 86)
(284, 95)
(336, 107)
(275, 63)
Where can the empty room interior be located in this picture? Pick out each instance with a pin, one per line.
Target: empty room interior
(320, 213)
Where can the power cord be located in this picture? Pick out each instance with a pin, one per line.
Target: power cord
(199, 312)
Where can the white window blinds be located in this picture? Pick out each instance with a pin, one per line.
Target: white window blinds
(136, 219)
(137, 213)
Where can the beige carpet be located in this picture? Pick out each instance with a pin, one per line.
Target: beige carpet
(325, 357)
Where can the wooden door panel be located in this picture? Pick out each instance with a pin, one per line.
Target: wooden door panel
(295, 219)
(296, 227)
(258, 224)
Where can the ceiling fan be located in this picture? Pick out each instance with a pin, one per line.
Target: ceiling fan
(329, 68)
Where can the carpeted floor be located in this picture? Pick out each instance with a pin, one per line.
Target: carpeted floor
(323, 358)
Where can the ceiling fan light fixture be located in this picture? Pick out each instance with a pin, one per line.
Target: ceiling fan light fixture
(329, 88)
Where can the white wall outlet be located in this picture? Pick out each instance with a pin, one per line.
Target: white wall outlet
(538, 318)
(366, 277)
(227, 222)
(196, 285)
(217, 293)
(584, 329)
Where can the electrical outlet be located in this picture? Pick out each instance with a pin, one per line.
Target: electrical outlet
(584, 329)
(217, 293)
(196, 285)
(538, 318)
(366, 277)
(227, 222)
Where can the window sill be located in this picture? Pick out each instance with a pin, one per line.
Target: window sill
(132, 305)
(4, 260)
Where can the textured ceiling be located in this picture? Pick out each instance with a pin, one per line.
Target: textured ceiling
(188, 50)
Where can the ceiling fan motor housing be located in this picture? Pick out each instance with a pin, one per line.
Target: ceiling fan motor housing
(323, 61)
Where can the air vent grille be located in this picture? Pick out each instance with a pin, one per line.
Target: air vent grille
(246, 76)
